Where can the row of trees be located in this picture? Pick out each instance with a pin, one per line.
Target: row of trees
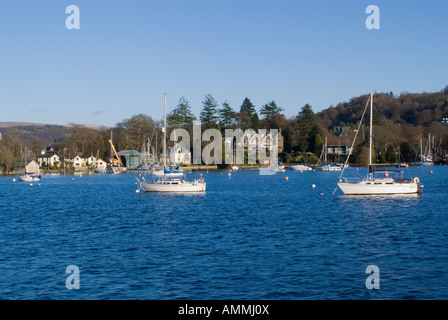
(303, 134)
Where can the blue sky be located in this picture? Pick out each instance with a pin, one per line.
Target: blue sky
(128, 53)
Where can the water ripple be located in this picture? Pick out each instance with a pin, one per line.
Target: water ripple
(248, 237)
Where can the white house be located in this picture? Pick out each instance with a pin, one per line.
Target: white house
(181, 156)
(49, 160)
(100, 165)
(251, 140)
(79, 161)
(91, 161)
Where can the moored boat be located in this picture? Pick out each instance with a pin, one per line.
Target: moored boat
(373, 185)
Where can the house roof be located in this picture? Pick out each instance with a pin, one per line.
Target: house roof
(47, 155)
(82, 156)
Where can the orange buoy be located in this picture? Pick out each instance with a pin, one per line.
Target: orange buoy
(229, 174)
(431, 172)
(386, 174)
(201, 174)
(286, 178)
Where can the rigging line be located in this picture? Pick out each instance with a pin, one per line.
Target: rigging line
(353, 143)
(154, 130)
(390, 131)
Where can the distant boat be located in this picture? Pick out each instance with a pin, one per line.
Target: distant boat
(426, 158)
(326, 166)
(280, 167)
(171, 185)
(115, 169)
(402, 165)
(329, 167)
(272, 169)
(174, 185)
(372, 185)
(29, 178)
(301, 167)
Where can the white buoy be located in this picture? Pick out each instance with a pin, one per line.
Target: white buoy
(137, 190)
(13, 180)
(313, 185)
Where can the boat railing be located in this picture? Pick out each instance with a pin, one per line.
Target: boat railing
(350, 180)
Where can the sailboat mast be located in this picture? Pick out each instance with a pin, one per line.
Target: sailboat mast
(370, 134)
(164, 130)
(325, 154)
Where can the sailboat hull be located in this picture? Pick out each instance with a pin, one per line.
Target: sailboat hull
(29, 178)
(378, 187)
(300, 167)
(174, 185)
(329, 168)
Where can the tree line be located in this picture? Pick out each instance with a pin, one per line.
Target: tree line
(399, 124)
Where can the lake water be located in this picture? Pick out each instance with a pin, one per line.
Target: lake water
(248, 237)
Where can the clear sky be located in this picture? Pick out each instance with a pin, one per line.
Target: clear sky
(126, 54)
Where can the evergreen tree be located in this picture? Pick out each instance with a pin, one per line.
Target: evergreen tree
(391, 155)
(406, 152)
(269, 110)
(246, 115)
(256, 122)
(314, 140)
(181, 116)
(306, 121)
(209, 112)
(247, 107)
(226, 115)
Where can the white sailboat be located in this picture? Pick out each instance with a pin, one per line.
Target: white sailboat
(164, 184)
(27, 176)
(301, 167)
(326, 166)
(426, 158)
(372, 185)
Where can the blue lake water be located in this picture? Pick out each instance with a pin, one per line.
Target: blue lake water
(247, 237)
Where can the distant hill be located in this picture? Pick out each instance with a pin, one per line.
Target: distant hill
(44, 132)
(19, 124)
(407, 108)
(87, 125)
(407, 117)
(49, 133)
